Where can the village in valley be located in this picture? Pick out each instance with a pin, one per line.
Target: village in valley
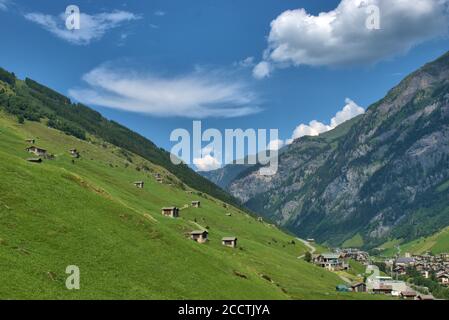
(395, 277)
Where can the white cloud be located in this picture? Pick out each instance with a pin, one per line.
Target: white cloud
(4, 4)
(275, 144)
(315, 128)
(262, 70)
(207, 162)
(349, 111)
(340, 36)
(160, 13)
(199, 94)
(246, 63)
(92, 27)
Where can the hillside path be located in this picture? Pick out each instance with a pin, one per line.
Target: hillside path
(308, 245)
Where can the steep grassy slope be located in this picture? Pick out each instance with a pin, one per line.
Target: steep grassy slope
(32, 101)
(89, 214)
(436, 244)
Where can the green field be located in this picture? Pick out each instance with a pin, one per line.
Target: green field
(436, 244)
(355, 242)
(88, 214)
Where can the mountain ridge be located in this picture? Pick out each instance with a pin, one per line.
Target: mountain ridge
(377, 179)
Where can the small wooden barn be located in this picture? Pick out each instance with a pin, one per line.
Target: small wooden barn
(172, 212)
(30, 141)
(74, 153)
(37, 151)
(199, 236)
(408, 295)
(196, 204)
(359, 287)
(229, 242)
(139, 184)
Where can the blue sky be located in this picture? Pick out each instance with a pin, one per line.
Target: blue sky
(157, 65)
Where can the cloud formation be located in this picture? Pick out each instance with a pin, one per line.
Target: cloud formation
(4, 5)
(207, 163)
(92, 27)
(262, 70)
(200, 94)
(275, 144)
(246, 63)
(341, 36)
(315, 128)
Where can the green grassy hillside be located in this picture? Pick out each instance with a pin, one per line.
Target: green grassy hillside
(88, 213)
(30, 100)
(436, 244)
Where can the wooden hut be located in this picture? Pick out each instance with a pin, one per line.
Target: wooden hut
(196, 204)
(199, 236)
(139, 184)
(172, 212)
(359, 287)
(74, 153)
(37, 151)
(229, 242)
(408, 295)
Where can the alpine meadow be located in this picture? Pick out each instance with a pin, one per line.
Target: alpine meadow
(237, 159)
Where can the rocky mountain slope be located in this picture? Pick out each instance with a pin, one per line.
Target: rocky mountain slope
(382, 175)
(223, 177)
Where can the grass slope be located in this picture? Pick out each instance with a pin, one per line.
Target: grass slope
(436, 244)
(33, 101)
(89, 214)
(355, 242)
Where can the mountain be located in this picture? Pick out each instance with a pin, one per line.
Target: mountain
(29, 100)
(86, 212)
(224, 176)
(383, 175)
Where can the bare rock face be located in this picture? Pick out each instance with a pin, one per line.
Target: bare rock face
(384, 174)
